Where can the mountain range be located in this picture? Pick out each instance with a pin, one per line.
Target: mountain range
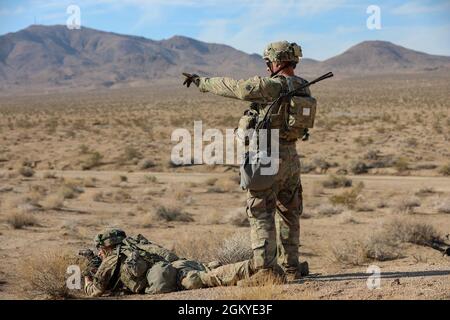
(52, 57)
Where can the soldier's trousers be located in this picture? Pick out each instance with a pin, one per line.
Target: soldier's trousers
(274, 215)
(195, 275)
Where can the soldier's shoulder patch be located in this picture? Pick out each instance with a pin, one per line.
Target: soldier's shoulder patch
(248, 87)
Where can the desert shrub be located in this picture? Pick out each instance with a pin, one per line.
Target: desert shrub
(53, 201)
(348, 198)
(411, 142)
(237, 217)
(198, 247)
(426, 191)
(89, 182)
(363, 141)
(18, 220)
(45, 274)
(49, 175)
(93, 160)
(211, 181)
(372, 155)
(26, 172)
(407, 204)
(329, 210)
(359, 167)
(150, 179)
(401, 164)
(445, 170)
(337, 181)
(444, 207)
(131, 153)
(235, 249)
(384, 244)
(172, 214)
(146, 164)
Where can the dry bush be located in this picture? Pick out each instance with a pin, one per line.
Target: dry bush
(18, 220)
(53, 201)
(146, 164)
(347, 218)
(150, 179)
(327, 209)
(89, 182)
(49, 175)
(235, 249)
(445, 170)
(348, 198)
(358, 167)
(26, 172)
(384, 244)
(237, 217)
(119, 180)
(425, 191)
(407, 204)
(401, 164)
(410, 232)
(45, 274)
(91, 161)
(198, 247)
(337, 181)
(211, 181)
(170, 214)
(268, 288)
(444, 207)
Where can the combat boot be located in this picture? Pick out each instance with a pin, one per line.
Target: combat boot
(262, 277)
(298, 273)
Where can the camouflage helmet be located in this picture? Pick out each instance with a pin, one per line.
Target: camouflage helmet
(283, 51)
(109, 237)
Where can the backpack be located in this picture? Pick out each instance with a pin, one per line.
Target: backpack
(137, 262)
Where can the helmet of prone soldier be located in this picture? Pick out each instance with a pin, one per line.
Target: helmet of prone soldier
(109, 238)
(283, 51)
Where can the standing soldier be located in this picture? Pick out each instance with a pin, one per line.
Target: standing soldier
(273, 212)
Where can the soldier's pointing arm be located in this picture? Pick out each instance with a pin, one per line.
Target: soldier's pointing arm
(257, 89)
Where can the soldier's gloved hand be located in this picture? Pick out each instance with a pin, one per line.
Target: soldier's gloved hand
(191, 78)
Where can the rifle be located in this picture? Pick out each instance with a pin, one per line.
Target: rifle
(94, 262)
(441, 246)
(264, 123)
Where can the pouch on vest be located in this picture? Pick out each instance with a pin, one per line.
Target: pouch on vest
(301, 111)
(256, 174)
(133, 271)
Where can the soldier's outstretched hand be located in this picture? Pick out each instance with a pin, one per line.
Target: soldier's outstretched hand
(191, 78)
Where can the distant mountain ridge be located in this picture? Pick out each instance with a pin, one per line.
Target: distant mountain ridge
(56, 57)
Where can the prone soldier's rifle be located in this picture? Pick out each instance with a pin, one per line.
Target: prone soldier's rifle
(94, 262)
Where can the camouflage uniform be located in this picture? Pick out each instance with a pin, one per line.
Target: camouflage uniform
(273, 213)
(170, 273)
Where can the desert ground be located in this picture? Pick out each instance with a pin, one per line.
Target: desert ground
(375, 175)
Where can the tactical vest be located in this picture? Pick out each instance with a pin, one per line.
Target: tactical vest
(293, 116)
(137, 262)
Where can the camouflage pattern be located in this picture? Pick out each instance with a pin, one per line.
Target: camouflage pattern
(110, 237)
(103, 280)
(163, 276)
(283, 51)
(273, 213)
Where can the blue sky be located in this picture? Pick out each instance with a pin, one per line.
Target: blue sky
(323, 28)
